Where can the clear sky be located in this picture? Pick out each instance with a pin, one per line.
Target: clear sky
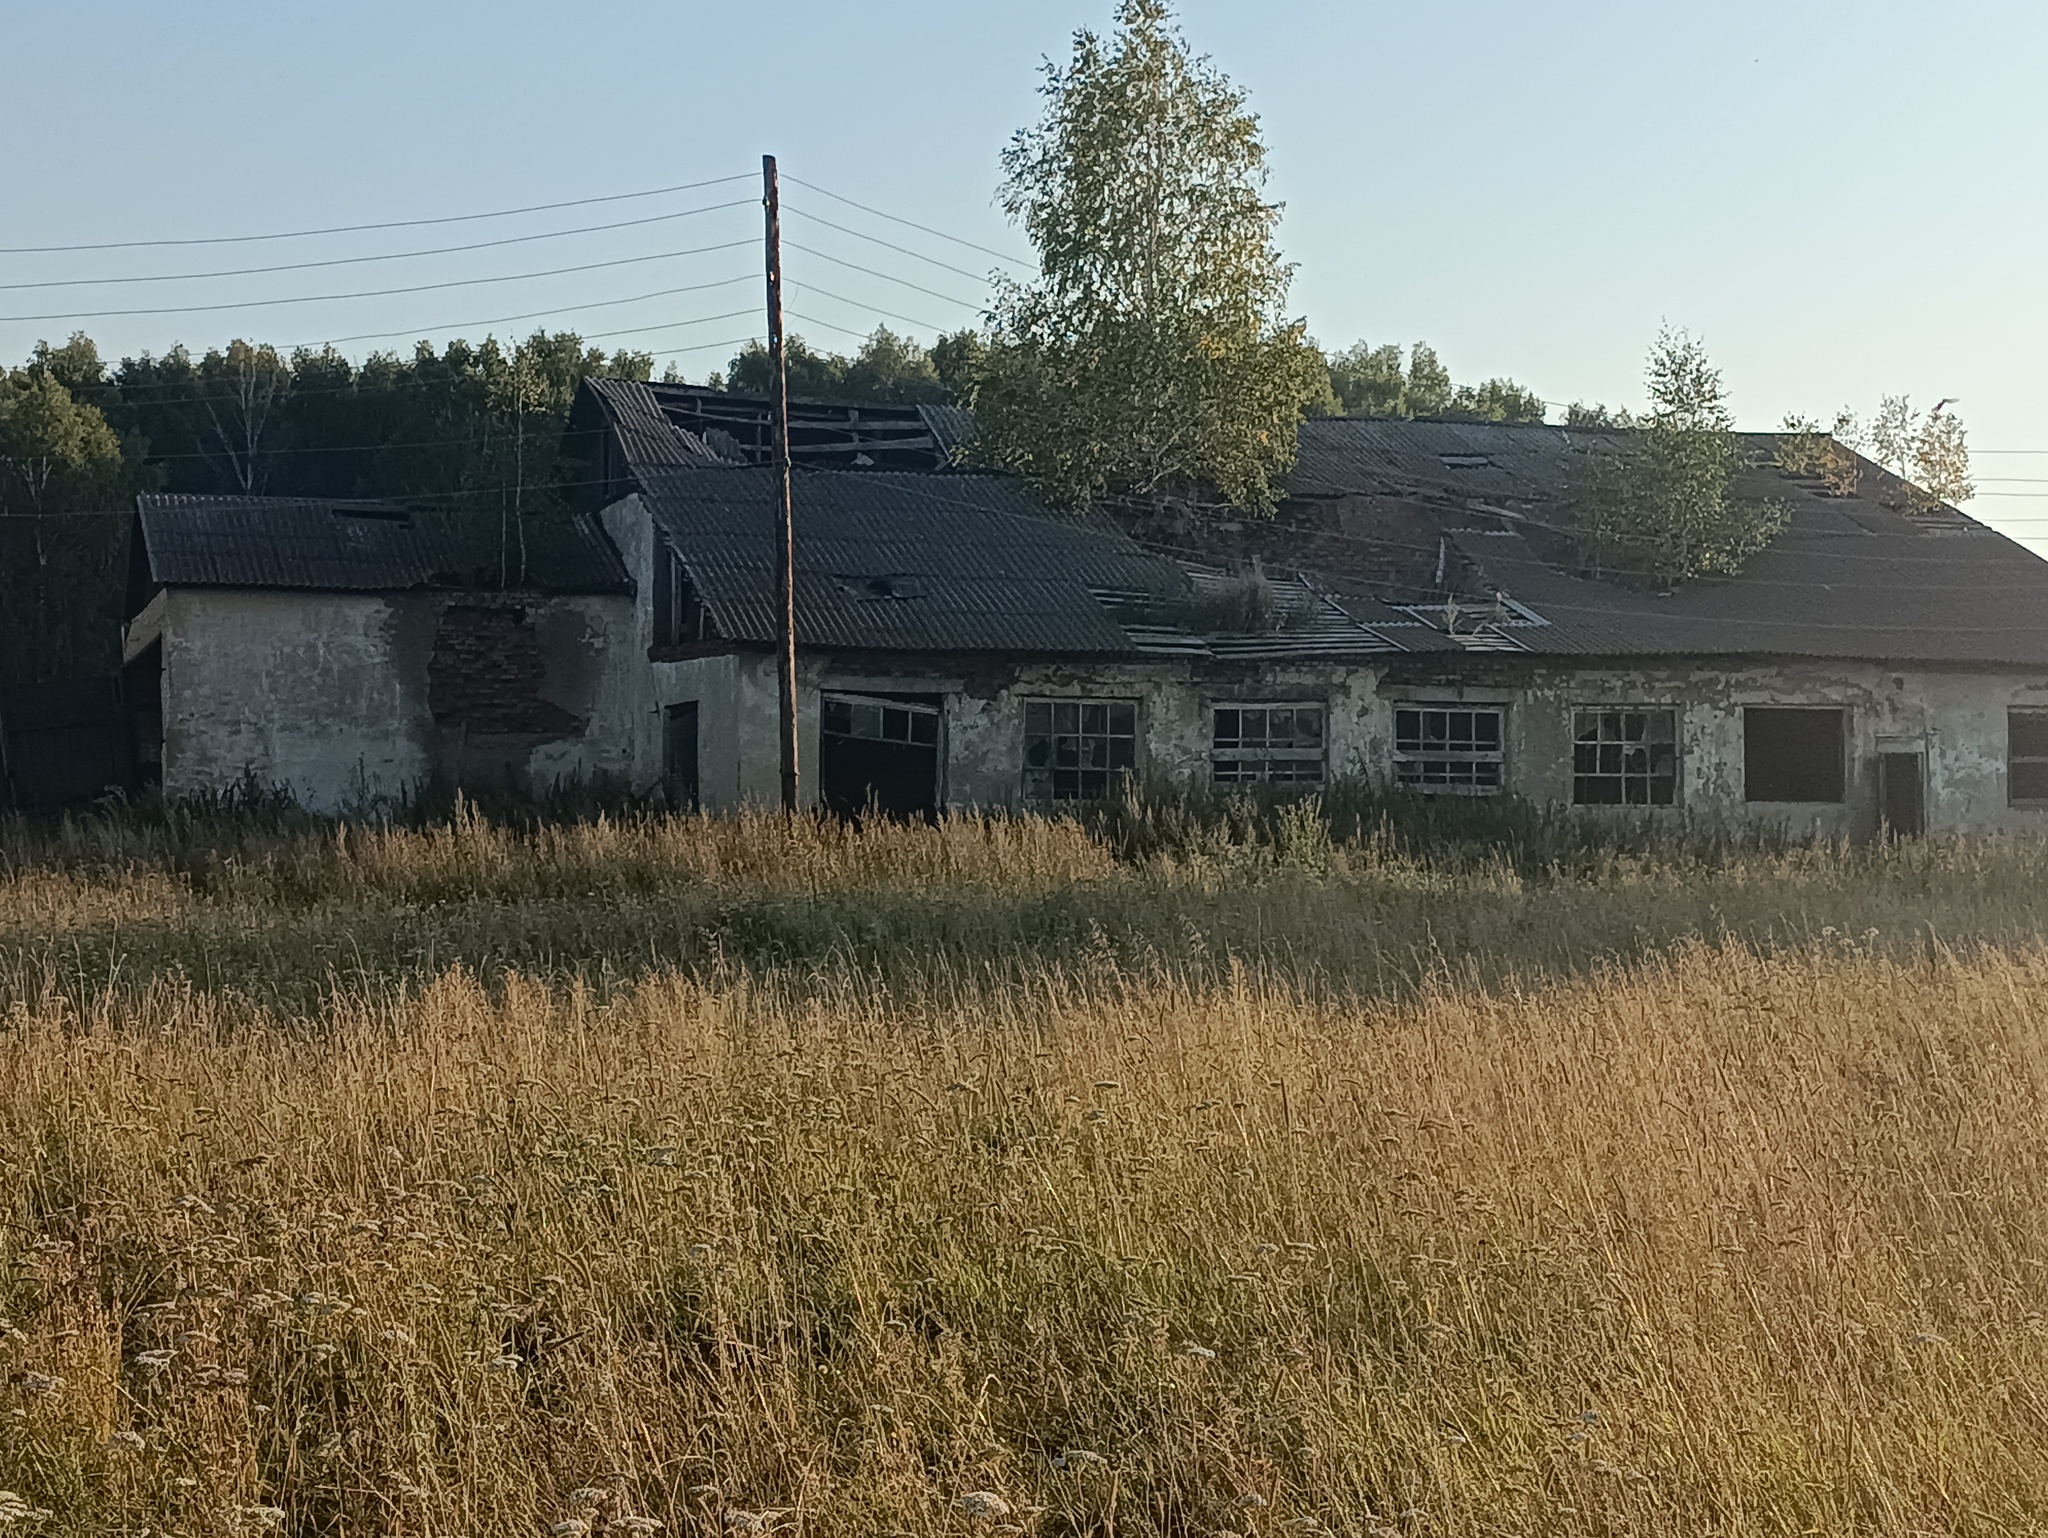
(1844, 200)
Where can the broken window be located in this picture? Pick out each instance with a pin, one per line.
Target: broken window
(1625, 757)
(1267, 744)
(879, 720)
(1076, 750)
(1448, 749)
(2026, 757)
(1793, 755)
(679, 614)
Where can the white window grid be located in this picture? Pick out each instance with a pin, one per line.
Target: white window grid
(1259, 742)
(1450, 749)
(1078, 749)
(1625, 756)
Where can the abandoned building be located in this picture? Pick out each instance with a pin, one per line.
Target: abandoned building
(1413, 616)
(349, 651)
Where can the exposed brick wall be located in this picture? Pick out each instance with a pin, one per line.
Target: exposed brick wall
(485, 674)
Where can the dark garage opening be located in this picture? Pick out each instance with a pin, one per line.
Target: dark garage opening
(880, 753)
(1793, 755)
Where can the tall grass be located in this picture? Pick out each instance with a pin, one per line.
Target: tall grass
(1024, 1185)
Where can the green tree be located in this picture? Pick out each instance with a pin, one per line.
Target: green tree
(1369, 381)
(887, 368)
(1657, 500)
(1151, 356)
(1373, 382)
(1928, 451)
(64, 478)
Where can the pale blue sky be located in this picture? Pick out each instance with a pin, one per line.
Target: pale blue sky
(1845, 200)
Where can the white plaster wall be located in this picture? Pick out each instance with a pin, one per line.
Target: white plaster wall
(1957, 717)
(325, 694)
(299, 689)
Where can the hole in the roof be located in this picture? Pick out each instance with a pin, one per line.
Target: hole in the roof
(1465, 461)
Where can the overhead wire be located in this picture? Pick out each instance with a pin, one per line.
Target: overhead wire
(872, 272)
(383, 256)
(1003, 256)
(379, 293)
(845, 229)
(390, 224)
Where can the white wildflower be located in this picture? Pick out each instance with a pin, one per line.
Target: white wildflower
(396, 1336)
(189, 1203)
(584, 1498)
(751, 1523)
(1199, 1353)
(504, 1363)
(154, 1362)
(126, 1441)
(570, 1527)
(1252, 1501)
(983, 1505)
(259, 1517)
(1079, 1458)
(39, 1382)
(636, 1525)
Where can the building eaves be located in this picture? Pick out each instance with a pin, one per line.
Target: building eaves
(369, 546)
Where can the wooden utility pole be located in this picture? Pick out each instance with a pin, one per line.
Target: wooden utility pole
(785, 533)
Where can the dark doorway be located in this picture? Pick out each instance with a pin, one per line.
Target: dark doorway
(880, 752)
(1902, 793)
(679, 756)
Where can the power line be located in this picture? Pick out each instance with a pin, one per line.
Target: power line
(822, 293)
(393, 224)
(1016, 261)
(388, 256)
(379, 293)
(845, 229)
(506, 320)
(885, 277)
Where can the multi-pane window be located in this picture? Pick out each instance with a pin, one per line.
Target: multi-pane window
(2026, 757)
(1268, 744)
(879, 720)
(1625, 757)
(1078, 749)
(1448, 749)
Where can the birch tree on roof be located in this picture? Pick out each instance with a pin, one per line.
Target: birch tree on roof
(1152, 356)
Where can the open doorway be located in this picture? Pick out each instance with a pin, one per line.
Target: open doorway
(880, 752)
(679, 757)
(1902, 793)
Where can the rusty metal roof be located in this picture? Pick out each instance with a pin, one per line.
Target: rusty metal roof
(368, 546)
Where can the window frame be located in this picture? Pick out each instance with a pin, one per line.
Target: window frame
(1265, 756)
(1474, 758)
(2012, 796)
(1675, 743)
(1040, 784)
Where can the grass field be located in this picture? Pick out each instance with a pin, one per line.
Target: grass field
(1173, 1176)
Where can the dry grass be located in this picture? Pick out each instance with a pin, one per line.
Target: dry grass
(1146, 1218)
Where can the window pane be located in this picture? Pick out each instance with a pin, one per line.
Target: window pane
(1038, 717)
(1066, 717)
(2029, 780)
(1226, 729)
(2027, 733)
(1123, 719)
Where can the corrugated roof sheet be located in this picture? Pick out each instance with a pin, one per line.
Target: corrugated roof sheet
(1851, 577)
(902, 561)
(359, 546)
